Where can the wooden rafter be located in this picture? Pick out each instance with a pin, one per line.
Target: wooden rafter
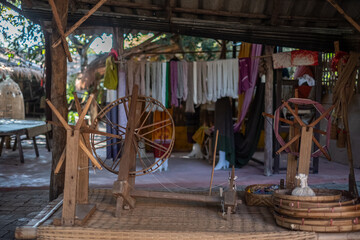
(60, 29)
(81, 20)
(342, 12)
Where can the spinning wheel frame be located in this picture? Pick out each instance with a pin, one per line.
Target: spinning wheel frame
(297, 121)
(150, 105)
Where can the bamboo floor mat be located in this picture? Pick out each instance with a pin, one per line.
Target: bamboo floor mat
(169, 219)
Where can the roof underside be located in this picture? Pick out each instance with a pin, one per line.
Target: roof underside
(306, 24)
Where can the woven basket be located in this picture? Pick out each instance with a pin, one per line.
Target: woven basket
(253, 199)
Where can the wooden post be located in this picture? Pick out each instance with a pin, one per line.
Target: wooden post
(121, 186)
(305, 150)
(268, 153)
(71, 169)
(58, 98)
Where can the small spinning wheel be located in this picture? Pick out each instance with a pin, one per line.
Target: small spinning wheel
(145, 127)
(299, 123)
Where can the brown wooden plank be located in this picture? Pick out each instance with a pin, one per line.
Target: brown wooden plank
(346, 16)
(89, 154)
(305, 150)
(71, 176)
(291, 163)
(83, 181)
(288, 144)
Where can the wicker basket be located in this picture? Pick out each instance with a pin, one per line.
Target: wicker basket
(253, 199)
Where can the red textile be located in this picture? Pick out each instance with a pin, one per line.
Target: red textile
(304, 58)
(302, 70)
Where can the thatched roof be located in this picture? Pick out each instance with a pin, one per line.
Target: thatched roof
(18, 68)
(306, 24)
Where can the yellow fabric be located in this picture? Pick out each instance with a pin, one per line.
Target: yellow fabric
(111, 74)
(199, 135)
(245, 50)
(163, 133)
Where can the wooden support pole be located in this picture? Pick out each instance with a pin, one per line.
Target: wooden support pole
(268, 149)
(58, 99)
(127, 157)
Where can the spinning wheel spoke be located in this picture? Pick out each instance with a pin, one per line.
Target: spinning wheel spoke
(154, 124)
(296, 137)
(297, 118)
(147, 116)
(114, 125)
(144, 111)
(320, 131)
(107, 145)
(152, 143)
(321, 148)
(116, 161)
(154, 130)
(108, 139)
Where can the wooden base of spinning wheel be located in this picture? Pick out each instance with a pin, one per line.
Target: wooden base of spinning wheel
(124, 188)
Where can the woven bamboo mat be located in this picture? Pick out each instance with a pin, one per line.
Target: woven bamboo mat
(169, 219)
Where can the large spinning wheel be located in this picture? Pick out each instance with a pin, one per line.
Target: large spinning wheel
(145, 127)
(298, 123)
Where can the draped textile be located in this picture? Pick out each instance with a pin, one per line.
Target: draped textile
(255, 51)
(174, 83)
(190, 100)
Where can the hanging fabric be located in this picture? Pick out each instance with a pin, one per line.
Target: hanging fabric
(204, 82)
(142, 78)
(163, 83)
(244, 74)
(111, 73)
(190, 99)
(147, 79)
(255, 51)
(173, 80)
(185, 79)
(210, 81)
(153, 80)
(180, 85)
(199, 90)
(195, 83)
(130, 76)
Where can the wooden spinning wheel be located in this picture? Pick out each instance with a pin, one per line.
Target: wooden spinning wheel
(303, 126)
(145, 127)
(303, 133)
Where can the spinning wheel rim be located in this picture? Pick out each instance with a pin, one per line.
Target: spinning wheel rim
(302, 101)
(154, 105)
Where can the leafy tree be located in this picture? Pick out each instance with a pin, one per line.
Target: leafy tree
(21, 35)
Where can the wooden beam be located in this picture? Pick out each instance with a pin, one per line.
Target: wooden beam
(81, 20)
(58, 115)
(60, 29)
(347, 17)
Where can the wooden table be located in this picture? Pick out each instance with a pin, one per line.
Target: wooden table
(28, 128)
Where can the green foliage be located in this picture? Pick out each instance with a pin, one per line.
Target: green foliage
(72, 116)
(21, 35)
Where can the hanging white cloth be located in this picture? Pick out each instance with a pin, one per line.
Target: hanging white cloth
(163, 83)
(210, 81)
(204, 82)
(195, 83)
(142, 78)
(130, 77)
(147, 79)
(185, 79)
(153, 80)
(199, 90)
